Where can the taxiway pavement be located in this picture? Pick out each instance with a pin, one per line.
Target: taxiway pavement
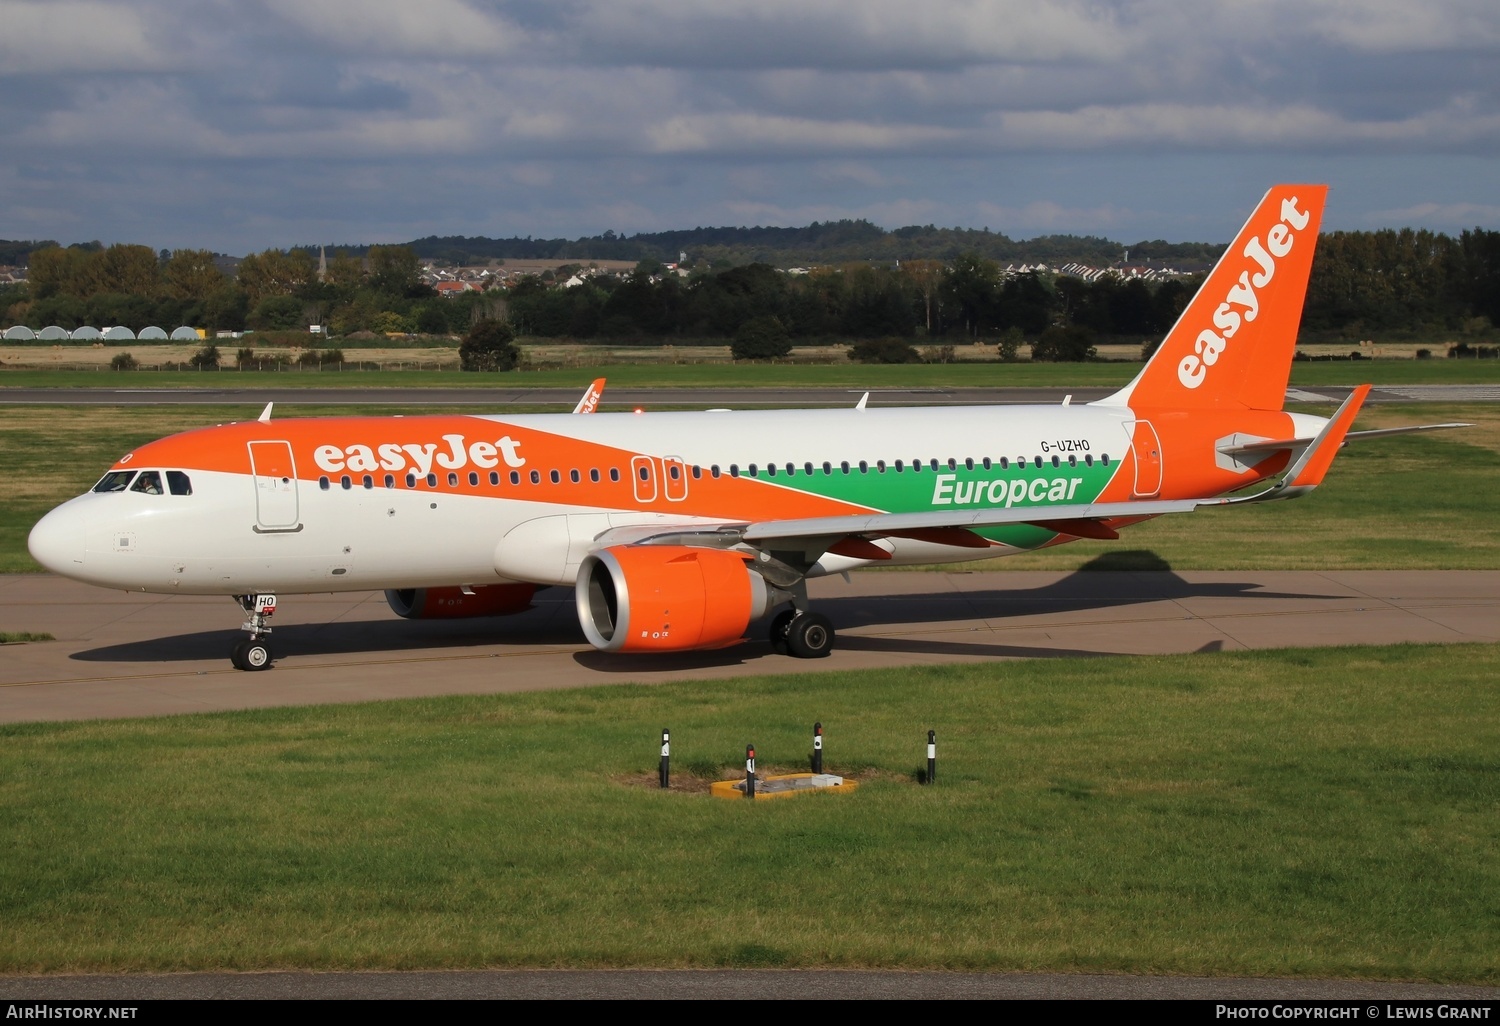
(120, 655)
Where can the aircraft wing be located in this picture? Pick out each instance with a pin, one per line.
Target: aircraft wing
(1057, 518)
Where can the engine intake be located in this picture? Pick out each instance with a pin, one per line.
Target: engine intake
(667, 598)
(456, 604)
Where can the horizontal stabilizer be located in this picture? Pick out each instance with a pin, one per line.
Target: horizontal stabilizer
(1361, 436)
(1293, 444)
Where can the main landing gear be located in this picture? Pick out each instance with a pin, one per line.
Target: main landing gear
(254, 652)
(802, 633)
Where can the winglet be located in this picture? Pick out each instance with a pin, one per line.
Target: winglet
(265, 415)
(1307, 473)
(590, 401)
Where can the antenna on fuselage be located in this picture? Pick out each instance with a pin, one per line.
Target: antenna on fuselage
(862, 400)
(1068, 399)
(265, 415)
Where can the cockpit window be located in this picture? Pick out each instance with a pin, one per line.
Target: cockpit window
(115, 481)
(178, 482)
(148, 481)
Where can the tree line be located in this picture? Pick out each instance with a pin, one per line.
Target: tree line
(820, 243)
(132, 285)
(1383, 284)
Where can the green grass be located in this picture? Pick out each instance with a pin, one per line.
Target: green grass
(708, 375)
(1326, 813)
(20, 637)
(1416, 502)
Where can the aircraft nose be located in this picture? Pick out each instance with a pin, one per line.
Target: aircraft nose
(57, 541)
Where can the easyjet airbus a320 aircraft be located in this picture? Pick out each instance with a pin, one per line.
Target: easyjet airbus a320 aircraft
(677, 530)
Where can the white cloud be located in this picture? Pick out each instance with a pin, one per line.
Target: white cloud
(741, 132)
(1219, 127)
(434, 28)
(844, 33)
(75, 36)
(1398, 26)
(1458, 215)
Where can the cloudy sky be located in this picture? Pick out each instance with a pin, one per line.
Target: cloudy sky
(240, 124)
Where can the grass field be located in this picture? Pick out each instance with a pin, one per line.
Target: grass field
(1328, 813)
(707, 375)
(1399, 503)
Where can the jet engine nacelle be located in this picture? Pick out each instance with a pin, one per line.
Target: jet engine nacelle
(457, 604)
(667, 598)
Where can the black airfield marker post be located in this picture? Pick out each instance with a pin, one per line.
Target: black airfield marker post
(931, 756)
(749, 771)
(817, 755)
(664, 775)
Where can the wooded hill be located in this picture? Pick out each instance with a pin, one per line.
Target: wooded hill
(820, 243)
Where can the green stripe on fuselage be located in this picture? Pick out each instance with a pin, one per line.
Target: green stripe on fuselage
(945, 490)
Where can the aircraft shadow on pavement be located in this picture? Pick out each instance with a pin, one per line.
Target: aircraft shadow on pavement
(552, 622)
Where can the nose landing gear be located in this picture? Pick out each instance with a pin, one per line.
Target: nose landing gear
(254, 652)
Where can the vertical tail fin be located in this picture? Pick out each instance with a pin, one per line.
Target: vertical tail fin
(1233, 345)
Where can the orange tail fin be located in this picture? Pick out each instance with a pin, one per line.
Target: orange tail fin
(1233, 345)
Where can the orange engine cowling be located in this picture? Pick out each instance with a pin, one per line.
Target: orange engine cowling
(667, 598)
(456, 604)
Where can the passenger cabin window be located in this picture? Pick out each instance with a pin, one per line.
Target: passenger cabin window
(115, 481)
(148, 481)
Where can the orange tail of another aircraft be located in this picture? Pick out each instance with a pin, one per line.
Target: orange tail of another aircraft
(1232, 347)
